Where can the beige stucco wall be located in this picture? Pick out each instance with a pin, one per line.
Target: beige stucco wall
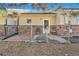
(2, 20)
(2, 16)
(37, 19)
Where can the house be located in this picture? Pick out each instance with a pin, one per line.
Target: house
(56, 22)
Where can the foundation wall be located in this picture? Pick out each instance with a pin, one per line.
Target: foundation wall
(54, 30)
(60, 30)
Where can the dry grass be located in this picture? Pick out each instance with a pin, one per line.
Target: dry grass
(35, 49)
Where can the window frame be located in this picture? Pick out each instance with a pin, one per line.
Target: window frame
(30, 21)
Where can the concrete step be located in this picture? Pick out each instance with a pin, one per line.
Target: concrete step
(40, 38)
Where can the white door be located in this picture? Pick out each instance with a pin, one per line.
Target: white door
(11, 21)
(46, 26)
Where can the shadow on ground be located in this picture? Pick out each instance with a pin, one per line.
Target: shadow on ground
(73, 39)
(38, 49)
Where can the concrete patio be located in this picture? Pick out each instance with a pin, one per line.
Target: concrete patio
(42, 38)
(37, 38)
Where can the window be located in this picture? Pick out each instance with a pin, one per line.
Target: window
(78, 20)
(29, 23)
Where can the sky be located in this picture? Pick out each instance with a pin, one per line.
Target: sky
(65, 5)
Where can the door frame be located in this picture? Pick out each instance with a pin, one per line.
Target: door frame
(48, 25)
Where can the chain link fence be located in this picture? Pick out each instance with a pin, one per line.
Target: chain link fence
(8, 30)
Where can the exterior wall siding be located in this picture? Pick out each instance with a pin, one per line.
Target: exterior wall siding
(2, 20)
(37, 19)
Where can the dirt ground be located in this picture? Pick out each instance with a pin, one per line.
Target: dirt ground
(37, 49)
